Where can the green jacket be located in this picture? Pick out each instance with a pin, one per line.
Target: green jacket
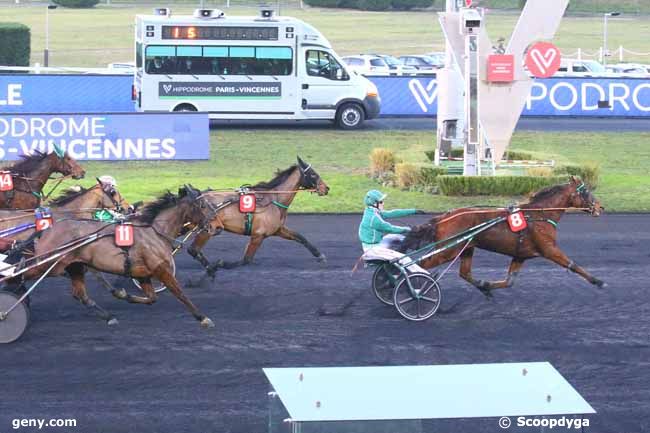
(373, 226)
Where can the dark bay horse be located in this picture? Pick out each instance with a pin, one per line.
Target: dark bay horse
(75, 202)
(154, 233)
(273, 200)
(30, 175)
(542, 212)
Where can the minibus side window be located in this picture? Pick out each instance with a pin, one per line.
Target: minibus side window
(322, 64)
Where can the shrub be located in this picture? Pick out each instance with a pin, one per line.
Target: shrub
(322, 3)
(495, 185)
(517, 155)
(540, 171)
(15, 47)
(382, 161)
(429, 175)
(588, 172)
(373, 5)
(405, 5)
(407, 175)
(76, 3)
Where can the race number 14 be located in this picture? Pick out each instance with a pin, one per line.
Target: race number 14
(6, 181)
(517, 221)
(124, 235)
(247, 203)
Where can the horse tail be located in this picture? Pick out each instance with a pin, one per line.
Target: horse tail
(419, 236)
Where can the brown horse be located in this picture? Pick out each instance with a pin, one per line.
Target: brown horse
(273, 199)
(76, 202)
(154, 233)
(30, 175)
(542, 213)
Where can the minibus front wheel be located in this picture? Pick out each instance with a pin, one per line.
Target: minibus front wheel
(350, 116)
(185, 107)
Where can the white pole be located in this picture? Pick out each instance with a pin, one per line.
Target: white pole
(620, 54)
(46, 53)
(579, 53)
(604, 59)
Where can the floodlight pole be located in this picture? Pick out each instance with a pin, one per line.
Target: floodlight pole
(46, 52)
(605, 17)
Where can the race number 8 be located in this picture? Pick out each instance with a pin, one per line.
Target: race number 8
(124, 235)
(6, 182)
(517, 222)
(247, 203)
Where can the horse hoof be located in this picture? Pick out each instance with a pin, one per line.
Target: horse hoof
(120, 294)
(207, 323)
(322, 258)
(601, 284)
(113, 322)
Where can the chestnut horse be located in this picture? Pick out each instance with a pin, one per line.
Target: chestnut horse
(542, 213)
(30, 175)
(154, 233)
(273, 199)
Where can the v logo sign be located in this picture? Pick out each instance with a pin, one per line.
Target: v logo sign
(424, 96)
(167, 88)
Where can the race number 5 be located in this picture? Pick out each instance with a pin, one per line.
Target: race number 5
(124, 235)
(247, 203)
(6, 181)
(43, 224)
(517, 221)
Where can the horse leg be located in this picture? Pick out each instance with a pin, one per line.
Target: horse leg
(556, 255)
(163, 273)
(487, 286)
(290, 235)
(251, 248)
(80, 294)
(149, 298)
(196, 251)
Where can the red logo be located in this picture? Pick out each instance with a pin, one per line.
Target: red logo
(43, 224)
(6, 181)
(124, 235)
(543, 59)
(468, 3)
(517, 221)
(501, 68)
(247, 203)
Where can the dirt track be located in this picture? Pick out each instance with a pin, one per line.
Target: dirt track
(159, 372)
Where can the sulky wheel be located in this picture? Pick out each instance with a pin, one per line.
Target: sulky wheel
(384, 281)
(15, 324)
(160, 287)
(419, 300)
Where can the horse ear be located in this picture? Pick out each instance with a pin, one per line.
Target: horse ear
(182, 191)
(99, 181)
(573, 180)
(301, 162)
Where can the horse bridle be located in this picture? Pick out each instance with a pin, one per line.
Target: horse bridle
(586, 196)
(110, 191)
(313, 180)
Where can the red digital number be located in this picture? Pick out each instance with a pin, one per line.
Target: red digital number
(6, 182)
(247, 203)
(517, 221)
(124, 235)
(43, 224)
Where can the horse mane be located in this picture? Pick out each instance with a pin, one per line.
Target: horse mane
(280, 177)
(28, 162)
(546, 193)
(151, 210)
(69, 195)
(419, 236)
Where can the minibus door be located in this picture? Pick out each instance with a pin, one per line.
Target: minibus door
(324, 83)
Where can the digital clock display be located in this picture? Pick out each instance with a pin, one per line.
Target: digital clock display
(221, 33)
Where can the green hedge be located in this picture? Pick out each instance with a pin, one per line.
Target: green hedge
(510, 154)
(589, 173)
(14, 44)
(372, 5)
(495, 185)
(76, 3)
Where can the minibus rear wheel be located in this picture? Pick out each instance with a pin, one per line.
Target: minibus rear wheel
(350, 116)
(185, 107)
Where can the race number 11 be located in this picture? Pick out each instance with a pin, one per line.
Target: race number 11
(517, 221)
(124, 235)
(6, 181)
(247, 203)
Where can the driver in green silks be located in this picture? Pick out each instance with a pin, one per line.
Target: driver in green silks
(374, 230)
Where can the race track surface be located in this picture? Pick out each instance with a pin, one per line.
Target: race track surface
(158, 371)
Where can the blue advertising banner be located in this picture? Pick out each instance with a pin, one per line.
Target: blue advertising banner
(33, 93)
(400, 96)
(97, 137)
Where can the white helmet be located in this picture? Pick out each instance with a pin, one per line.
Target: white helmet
(108, 180)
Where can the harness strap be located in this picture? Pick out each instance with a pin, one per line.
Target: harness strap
(280, 205)
(248, 224)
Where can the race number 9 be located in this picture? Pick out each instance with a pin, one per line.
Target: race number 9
(6, 182)
(43, 224)
(247, 203)
(124, 235)
(517, 221)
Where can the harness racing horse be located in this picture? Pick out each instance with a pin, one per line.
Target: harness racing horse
(542, 213)
(30, 175)
(273, 199)
(154, 233)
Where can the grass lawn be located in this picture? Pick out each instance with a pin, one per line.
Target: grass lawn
(341, 158)
(95, 37)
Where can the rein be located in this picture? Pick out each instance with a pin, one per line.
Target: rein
(58, 182)
(547, 209)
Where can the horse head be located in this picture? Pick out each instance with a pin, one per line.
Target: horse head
(582, 197)
(310, 179)
(204, 215)
(63, 163)
(111, 197)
